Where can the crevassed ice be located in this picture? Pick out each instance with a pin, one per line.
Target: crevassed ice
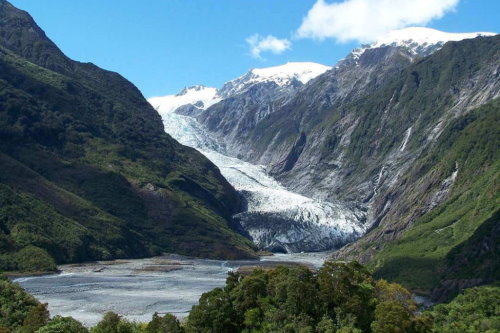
(310, 224)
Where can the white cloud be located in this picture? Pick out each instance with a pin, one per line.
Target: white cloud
(259, 44)
(365, 20)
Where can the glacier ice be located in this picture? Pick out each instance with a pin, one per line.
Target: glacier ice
(275, 218)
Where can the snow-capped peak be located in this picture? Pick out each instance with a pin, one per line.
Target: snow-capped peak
(282, 75)
(196, 88)
(418, 40)
(199, 96)
(423, 36)
(302, 71)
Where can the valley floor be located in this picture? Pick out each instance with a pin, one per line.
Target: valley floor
(138, 288)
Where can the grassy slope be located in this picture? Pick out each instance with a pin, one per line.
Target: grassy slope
(84, 147)
(423, 255)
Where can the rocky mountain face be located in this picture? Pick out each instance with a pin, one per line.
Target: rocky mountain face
(88, 172)
(392, 129)
(365, 149)
(275, 218)
(304, 143)
(439, 229)
(191, 101)
(241, 102)
(250, 98)
(419, 40)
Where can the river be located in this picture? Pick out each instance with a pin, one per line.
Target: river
(138, 288)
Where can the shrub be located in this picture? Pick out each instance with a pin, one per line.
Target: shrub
(63, 325)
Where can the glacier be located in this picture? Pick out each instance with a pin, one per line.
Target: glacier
(275, 218)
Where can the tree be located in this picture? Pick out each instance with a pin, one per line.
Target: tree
(60, 324)
(214, 313)
(348, 286)
(476, 310)
(287, 286)
(253, 319)
(341, 298)
(108, 324)
(326, 325)
(391, 317)
(387, 292)
(15, 304)
(113, 323)
(247, 293)
(37, 317)
(165, 324)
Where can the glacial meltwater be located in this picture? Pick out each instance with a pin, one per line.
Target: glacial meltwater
(138, 288)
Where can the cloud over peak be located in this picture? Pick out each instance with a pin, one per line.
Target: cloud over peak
(366, 20)
(259, 44)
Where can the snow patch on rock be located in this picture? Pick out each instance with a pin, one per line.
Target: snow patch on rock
(199, 96)
(284, 75)
(405, 141)
(418, 40)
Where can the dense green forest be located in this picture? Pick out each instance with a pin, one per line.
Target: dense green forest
(440, 230)
(339, 298)
(459, 238)
(88, 172)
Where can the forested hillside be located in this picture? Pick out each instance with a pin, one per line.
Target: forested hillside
(87, 170)
(411, 140)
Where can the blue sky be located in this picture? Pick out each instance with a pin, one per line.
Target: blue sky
(165, 45)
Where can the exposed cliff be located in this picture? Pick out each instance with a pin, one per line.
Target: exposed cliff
(367, 133)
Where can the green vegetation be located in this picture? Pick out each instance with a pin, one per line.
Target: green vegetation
(88, 172)
(19, 311)
(63, 325)
(477, 310)
(340, 298)
(449, 241)
(111, 323)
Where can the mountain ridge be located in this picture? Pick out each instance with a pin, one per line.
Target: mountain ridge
(194, 99)
(354, 133)
(419, 40)
(86, 144)
(449, 84)
(301, 158)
